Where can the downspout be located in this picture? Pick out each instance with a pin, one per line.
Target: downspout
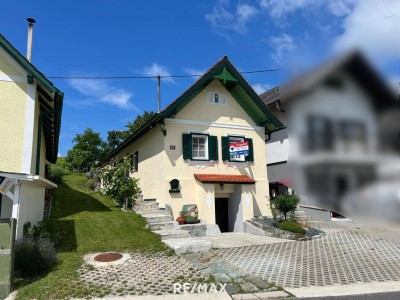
(39, 139)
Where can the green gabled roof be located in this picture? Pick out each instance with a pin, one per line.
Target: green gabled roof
(53, 132)
(233, 81)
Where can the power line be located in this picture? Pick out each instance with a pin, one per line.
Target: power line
(146, 77)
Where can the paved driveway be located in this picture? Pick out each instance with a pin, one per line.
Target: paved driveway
(345, 256)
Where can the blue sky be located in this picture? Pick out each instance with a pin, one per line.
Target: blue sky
(128, 38)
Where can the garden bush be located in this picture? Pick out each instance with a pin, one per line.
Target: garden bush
(34, 256)
(291, 226)
(91, 184)
(47, 229)
(286, 204)
(56, 174)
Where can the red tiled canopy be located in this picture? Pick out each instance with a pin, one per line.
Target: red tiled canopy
(217, 178)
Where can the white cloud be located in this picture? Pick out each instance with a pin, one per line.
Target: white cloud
(222, 19)
(280, 9)
(341, 8)
(282, 44)
(260, 88)
(155, 70)
(373, 27)
(100, 91)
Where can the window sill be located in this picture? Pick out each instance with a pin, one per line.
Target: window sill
(201, 164)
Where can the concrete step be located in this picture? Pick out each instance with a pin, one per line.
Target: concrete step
(143, 207)
(150, 211)
(162, 226)
(166, 234)
(188, 245)
(157, 218)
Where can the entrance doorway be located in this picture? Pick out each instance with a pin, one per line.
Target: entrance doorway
(221, 214)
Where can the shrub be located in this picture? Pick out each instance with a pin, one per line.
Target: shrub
(34, 256)
(291, 226)
(118, 185)
(91, 184)
(47, 229)
(286, 203)
(56, 174)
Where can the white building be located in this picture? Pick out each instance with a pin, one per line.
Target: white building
(337, 133)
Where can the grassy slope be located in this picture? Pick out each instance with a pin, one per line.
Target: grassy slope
(92, 224)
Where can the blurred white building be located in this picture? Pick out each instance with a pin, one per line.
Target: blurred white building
(341, 135)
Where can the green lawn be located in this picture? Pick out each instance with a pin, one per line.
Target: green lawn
(92, 224)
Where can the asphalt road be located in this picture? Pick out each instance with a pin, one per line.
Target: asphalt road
(377, 296)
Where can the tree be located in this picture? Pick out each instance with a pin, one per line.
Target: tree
(139, 121)
(88, 149)
(115, 137)
(286, 203)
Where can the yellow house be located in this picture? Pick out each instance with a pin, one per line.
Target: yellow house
(211, 140)
(30, 117)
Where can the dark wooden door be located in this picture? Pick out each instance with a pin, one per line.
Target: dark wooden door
(221, 214)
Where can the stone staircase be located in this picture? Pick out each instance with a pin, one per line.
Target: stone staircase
(161, 224)
(169, 230)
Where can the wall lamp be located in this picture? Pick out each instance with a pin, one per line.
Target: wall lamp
(221, 185)
(163, 130)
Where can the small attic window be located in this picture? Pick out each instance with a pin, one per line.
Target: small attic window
(216, 98)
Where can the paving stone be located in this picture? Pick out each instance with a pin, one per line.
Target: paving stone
(141, 275)
(199, 266)
(262, 284)
(249, 287)
(238, 280)
(272, 295)
(338, 258)
(192, 257)
(231, 289)
(223, 278)
(245, 297)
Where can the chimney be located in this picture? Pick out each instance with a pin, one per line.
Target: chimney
(30, 33)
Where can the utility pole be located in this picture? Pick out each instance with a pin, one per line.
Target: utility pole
(159, 91)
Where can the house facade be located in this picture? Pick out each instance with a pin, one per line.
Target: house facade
(332, 144)
(210, 140)
(30, 115)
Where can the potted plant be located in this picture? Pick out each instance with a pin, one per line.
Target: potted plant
(181, 218)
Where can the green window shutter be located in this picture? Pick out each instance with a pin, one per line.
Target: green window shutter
(250, 157)
(187, 146)
(213, 147)
(225, 148)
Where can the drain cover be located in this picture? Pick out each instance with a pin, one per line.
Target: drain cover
(107, 257)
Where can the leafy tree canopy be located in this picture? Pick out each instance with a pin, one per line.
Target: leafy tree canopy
(139, 121)
(88, 149)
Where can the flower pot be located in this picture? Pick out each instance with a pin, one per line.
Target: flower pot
(180, 220)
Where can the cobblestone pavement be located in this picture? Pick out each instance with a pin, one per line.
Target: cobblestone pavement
(152, 274)
(342, 257)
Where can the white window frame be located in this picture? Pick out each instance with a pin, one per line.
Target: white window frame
(210, 98)
(206, 154)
